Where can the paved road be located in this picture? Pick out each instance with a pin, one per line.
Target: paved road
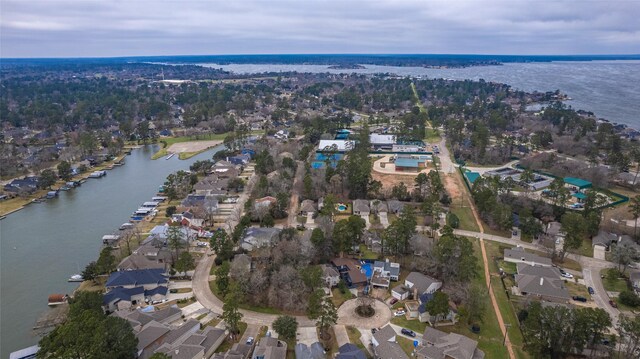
(295, 194)
(592, 279)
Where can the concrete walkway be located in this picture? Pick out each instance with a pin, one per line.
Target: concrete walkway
(341, 334)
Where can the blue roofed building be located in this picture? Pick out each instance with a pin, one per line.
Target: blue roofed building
(147, 278)
(410, 163)
(472, 176)
(121, 298)
(579, 183)
(350, 351)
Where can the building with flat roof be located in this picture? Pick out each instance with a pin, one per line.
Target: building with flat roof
(577, 182)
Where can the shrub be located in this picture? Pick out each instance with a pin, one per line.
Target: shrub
(629, 298)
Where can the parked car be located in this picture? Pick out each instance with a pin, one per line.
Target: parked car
(408, 332)
(579, 299)
(613, 304)
(565, 274)
(591, 291)
(250, 341)
(400, 312)
(393, 301)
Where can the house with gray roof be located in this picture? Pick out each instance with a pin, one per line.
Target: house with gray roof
(361, 207)
(270, 348)
(437, 344)
(395, 206)
(386, 269)
(350, 351)
(385, 334)
(150, 338)
(189, 342)
(307, 207)
(389, 350)
(604, 239)
(315, 351)
(237, 351)
(147, 257)
(255, 237)
(378, 206)
(330, 276)
(541, 282)
(519, 255)
(420, 284)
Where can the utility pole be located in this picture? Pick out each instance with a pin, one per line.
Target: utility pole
(506, 329)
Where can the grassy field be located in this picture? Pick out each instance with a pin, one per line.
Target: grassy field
(406, 345)
(585, 249)
(166, 142)
(432, 136)
(613, 285)
(414, 324)
(365, 253)
(467, 220)
(339, 298)
(246, 306)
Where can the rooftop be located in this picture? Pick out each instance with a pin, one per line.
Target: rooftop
(578, 182)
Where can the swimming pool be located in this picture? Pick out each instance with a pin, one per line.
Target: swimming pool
(341, 207)
(367, 268)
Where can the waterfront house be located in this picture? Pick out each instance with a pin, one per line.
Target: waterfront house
(147, 256)
(141, 317)
(189, 342)
(437, 344)
(121, 298)
(147, 278)
(240, 160)
(519, 255)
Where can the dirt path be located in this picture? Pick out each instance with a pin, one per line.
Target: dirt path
(487, 276)
(192, 146)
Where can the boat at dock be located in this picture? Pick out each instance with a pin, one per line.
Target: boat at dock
(57, 299)
(75, 278)
(127, 225)
(171, 155)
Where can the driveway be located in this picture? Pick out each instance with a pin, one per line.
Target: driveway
(180, 284)
(365, 217)
(341, 334)
(384, 219)
(252, 331)
(307, 335)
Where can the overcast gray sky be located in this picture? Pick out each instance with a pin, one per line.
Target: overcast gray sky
(70, 28)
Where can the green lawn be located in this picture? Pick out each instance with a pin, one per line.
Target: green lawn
(339, 298)
(414, 324)
(467, 220)
(365, 253)
(247, 306)
(432, 136)
(406, 345)
(616, 285)
(576, 289)
(585, 249)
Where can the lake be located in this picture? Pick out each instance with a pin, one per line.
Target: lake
(55, 238)
(610, 89)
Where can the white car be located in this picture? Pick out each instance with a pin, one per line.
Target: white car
(565, 274)
(400, 313)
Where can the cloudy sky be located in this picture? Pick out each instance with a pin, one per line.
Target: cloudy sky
(80, 28)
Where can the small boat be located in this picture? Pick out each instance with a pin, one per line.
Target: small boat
(64, 188)
(171, 155)
(57, 299)
(2, 217)
(75, 278)
(127, 225)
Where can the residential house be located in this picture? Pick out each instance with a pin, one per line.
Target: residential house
(330, 276)
(437, 344)
(259, 237)
(390, 350)
(146, 278)
(243, 261)
(361, 207)
(264, 202)
(120, 298)
(378, 206)
(603, 240)
(270, 348)
(384, 334)
(395, 206)
(187, 235)
(519, 255)
(147, 256)
(240, 160)
(237, 351)
(307, 207)
(189, 342)
(315, 351)
(417, 284)
(387, 269)
(350, 351)
(350, 272)
(423, 315)
(555, 233)
(139, 318)
(541, 282)
(373, 241)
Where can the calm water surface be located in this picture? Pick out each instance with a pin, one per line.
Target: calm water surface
(610, 89)
(55, 238)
